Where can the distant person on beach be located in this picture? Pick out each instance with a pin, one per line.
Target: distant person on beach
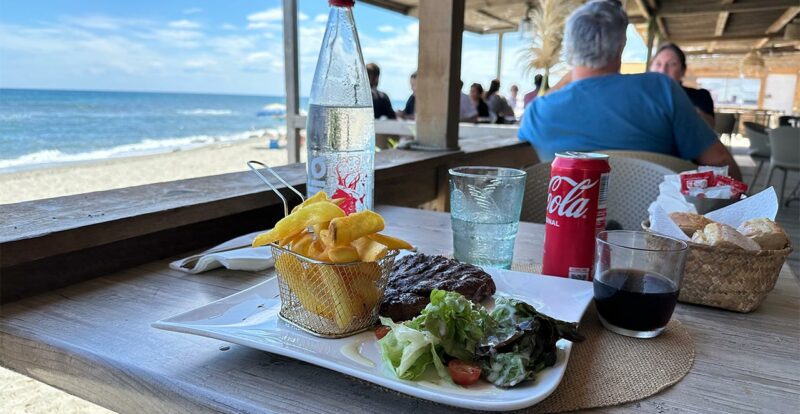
(671, 61)
(467, 111)
(499, 109)
(530, 96)
(476, 97)
(600, 109)
(381, 103)
(514, 100)
(408, 111)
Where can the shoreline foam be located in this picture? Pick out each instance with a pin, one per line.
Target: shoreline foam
(56, 158)
(106, 174)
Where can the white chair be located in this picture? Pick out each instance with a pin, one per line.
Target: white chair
(785, 143)
(632, 187)
(759, 146)
(673, 163)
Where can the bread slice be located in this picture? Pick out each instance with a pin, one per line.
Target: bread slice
(766, 233)
(723, 235)
(689, 222)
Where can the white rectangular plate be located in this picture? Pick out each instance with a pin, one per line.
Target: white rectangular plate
(250, 318)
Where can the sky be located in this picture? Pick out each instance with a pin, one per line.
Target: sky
(226, 47)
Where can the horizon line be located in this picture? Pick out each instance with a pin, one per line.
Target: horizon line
(2, 88)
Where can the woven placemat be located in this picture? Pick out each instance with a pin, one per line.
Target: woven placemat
(609, 369)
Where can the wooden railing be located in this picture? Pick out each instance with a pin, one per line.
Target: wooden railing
(55, 242)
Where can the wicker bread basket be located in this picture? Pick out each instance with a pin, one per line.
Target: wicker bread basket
(729, 278)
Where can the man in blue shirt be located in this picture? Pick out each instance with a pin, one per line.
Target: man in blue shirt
(600, 109)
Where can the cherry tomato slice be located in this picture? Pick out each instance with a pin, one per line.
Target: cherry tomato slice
(464, 373)
(381, 331)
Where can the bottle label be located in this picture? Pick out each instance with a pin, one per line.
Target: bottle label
(344, 178)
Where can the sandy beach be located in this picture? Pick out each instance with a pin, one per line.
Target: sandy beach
(131, 171)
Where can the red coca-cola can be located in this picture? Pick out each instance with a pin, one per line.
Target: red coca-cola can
(576, 212)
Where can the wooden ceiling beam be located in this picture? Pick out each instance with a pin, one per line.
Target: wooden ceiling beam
(778, 50)
(390, 5)
(745, 36)
(497, 18)
(778, 25)
(678, 9)
(722, 21)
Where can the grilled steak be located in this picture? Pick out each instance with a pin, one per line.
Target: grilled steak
(415, 276)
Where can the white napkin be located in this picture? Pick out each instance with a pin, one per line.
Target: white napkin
(234, 254)
(763, 204)
(670, 198)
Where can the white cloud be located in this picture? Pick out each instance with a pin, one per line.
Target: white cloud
(270, 15)
(200, 63)
(227, 26)
(264, 25)
(184, 24)
(100, 22)
(302, 16)
(192, 10)
(386, 28)
(321, 18)
(179, 38)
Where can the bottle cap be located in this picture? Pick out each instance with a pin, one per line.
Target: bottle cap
(342, 3)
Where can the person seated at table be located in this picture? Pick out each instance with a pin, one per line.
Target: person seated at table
(530, 96)
(467, 111)
(381, 103)
(671, 61)
(408, 111)
(476, 97)
(499, 109)
(600, 109)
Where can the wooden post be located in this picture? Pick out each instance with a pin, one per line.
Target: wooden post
(499, 55)
(651, 37)
(291, 73)
(441, 25)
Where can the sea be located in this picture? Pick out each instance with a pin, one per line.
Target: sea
(44, 127)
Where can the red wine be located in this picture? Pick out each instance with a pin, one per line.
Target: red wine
(635, 300)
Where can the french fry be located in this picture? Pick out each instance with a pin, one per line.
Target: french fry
(393, 243)
(290, 238)
(346, 229)
(301, 245)
(316, 251)
(325, 236)
(342, 254)
(299, 282)
(320, 196)
(315, 213)
(344, 308)
(369, 250)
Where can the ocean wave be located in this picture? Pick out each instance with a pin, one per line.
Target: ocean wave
(207, 112)
(143, 147)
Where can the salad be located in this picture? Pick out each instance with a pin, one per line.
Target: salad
(464, 342)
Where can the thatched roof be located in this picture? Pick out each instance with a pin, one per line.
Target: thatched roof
(700, 27)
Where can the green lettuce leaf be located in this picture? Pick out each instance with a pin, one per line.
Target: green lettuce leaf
(409, 352)
(457, 323)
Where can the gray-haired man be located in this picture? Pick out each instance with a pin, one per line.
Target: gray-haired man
(603, 110)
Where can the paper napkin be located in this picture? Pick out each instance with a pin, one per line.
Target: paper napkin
(234, 254)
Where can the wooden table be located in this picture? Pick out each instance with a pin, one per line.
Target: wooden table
(94, 340)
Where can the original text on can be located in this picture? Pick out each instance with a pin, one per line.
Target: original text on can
(576, 212)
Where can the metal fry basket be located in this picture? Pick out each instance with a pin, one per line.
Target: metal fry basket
(330, 300)
(325, 299)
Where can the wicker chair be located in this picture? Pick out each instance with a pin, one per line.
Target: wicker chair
(673, 163)
(633, 186)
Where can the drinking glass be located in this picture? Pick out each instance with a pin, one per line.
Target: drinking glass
(485, 204)
(637, 278)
